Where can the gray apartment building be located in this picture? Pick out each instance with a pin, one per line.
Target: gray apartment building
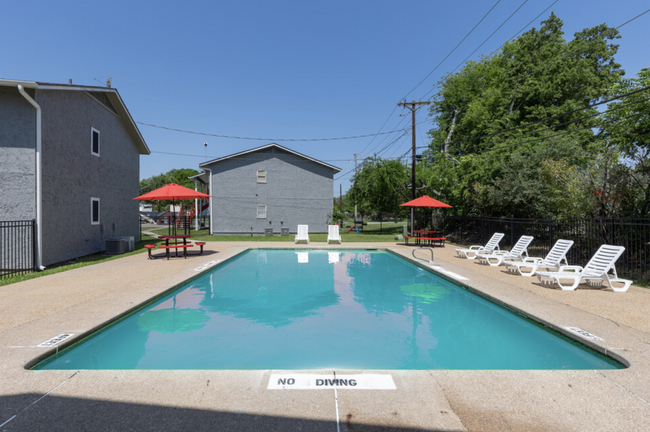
(69, 159)
(268, 187)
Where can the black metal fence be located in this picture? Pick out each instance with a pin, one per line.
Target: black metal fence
(17, 247)
(587, 234)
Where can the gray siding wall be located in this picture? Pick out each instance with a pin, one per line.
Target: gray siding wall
(17, 156)
(297, 191)
(72, 175)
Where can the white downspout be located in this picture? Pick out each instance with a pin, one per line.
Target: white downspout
(39, 181)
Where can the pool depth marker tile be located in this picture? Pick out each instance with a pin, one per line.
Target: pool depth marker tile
(585, 334)
(206, 265)
(55, 340)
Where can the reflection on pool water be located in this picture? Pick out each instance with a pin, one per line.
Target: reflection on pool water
(314, 309)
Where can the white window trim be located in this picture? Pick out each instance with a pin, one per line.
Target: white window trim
(99, 211)
(99, 142)
(261, 176)
(260, 206)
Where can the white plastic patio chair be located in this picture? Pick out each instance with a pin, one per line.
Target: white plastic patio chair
(553, 260)
(595, 272)
(518, 252)
(302, 234)
(490, 246)
(333, 234)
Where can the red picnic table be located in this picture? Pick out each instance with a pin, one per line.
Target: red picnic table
(427, 237)
(176, 244)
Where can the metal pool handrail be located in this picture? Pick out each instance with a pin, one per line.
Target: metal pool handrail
(422, 259)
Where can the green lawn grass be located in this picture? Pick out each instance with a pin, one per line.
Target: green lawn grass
(371, 233)
(80, 262)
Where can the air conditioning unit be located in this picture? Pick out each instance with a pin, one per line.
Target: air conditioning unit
(115, 246)
(129, 243)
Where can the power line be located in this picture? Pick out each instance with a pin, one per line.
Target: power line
(558, 134)
(399, 124)
(391, 143)
(268, 139)
(239, 158)
(552, 117)
(560, 57)
(581, 119)
(524, 27)
(451, 52)
(488, 38)
(497, 50)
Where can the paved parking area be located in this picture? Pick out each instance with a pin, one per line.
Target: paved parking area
(80, 300)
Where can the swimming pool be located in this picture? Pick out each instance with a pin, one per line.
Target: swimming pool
(316, 309)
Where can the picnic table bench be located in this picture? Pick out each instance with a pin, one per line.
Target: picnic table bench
(430, 240)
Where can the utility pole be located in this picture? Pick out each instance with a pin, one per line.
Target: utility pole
(355, 201)
(413, 106)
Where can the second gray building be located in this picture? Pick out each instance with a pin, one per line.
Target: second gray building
(269, 187)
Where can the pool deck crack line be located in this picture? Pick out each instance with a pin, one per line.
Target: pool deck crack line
(627, 390)
(39, 399)
(336, 404)
(442, 389)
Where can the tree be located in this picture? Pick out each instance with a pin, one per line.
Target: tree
(506, 124)
(380, 185)
(178, 176)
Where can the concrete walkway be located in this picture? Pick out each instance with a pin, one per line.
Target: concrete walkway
(80, 300)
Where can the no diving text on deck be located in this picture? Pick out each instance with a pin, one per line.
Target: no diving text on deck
(319, 382)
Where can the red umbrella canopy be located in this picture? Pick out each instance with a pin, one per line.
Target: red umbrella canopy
(171, 191)
(425, 201)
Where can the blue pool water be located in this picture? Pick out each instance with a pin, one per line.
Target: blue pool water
(314, 309)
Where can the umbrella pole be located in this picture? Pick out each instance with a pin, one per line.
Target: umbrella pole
(412, 221)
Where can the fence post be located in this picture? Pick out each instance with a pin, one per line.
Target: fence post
(512, 231)
(33, 244)
(612, 229)
(482, 236)
(550, 232)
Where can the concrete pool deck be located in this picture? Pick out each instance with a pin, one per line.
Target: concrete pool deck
(80, 300)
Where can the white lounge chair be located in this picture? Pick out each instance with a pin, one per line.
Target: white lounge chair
(553, 260)
(595, 272)
(489, 247)
(333, 234)
(518, 252)
(302, 234)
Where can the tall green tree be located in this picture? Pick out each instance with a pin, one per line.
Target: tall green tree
(380, 185)
(537, 76)
(625, 130)
(501, 132)
(178, 176)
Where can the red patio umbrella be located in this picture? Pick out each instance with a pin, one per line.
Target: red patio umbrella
(171, 191)
(423, 201)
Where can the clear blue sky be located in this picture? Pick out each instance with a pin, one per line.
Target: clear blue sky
(278, 69)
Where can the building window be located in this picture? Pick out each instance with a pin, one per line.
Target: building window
(261, 211)
(94, 141)
(261, 176)
(94, 211)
